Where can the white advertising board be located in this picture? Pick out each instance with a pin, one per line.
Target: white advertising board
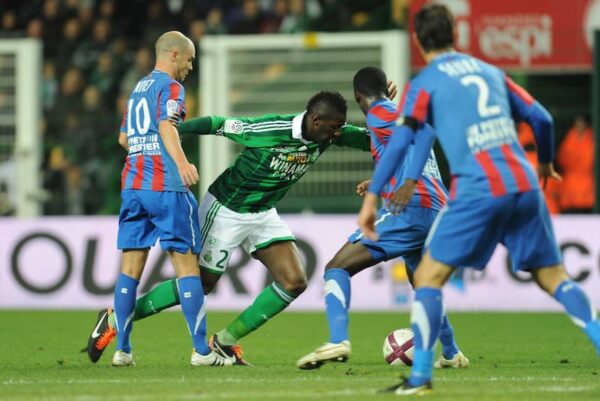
(72, 263)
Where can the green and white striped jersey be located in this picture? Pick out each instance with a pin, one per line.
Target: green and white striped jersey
(274, 158)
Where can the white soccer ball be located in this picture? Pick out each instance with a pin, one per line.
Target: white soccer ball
(398, 348)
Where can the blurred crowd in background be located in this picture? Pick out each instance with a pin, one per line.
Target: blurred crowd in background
(95, 51)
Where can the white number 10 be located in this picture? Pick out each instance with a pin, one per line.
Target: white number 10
(142, 117)
(483, 108)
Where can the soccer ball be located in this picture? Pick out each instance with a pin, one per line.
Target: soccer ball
(398, 347)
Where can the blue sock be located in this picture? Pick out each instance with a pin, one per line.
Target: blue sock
(593, 332)
(425, 319)
(191, 297)
(337, 303)
(125, 293)
(449, 347)
(575, 302)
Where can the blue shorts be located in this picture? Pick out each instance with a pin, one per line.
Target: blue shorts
(401, 235)
(467, 231)
(148, 215)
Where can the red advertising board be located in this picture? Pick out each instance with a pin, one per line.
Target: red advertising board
(526, 34)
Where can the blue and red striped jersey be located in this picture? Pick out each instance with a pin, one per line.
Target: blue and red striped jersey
(430, 191)
(471, 105)
(148, 165)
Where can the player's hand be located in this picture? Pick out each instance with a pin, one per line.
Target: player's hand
(188, 174)
(401, 197)
(546, 171)
(366, 216)
(362, 187)
(392, 90)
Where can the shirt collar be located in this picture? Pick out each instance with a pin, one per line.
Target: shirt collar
(378, 102)
(297, 128)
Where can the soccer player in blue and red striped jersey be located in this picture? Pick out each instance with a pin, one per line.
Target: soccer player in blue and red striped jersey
(494, 196)
(398, 235)
(156, 200)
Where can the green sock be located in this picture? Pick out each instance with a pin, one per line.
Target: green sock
(161, 297)
(267, 304)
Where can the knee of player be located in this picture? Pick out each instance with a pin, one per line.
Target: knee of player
(295, 285)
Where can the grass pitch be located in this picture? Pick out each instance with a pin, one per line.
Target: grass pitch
(526, 357)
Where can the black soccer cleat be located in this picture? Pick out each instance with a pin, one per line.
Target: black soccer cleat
(405, 388)
(102, 335)
(233, 352)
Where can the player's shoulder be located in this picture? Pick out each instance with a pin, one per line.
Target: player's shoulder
(382, 112)
(267, 122)
(164, 80)
(283, 118)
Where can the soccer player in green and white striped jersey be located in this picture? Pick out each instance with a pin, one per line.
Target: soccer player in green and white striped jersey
(239, 208)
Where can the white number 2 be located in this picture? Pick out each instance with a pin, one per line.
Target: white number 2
(484, 109)
(142, 117)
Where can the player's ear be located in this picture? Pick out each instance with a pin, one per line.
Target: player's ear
(316, 120)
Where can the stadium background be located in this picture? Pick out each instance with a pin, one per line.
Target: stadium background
(254, 57)
(59, 193)
(94, 52)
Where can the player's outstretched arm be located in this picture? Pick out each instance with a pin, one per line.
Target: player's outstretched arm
(170, 138)
(198, 126)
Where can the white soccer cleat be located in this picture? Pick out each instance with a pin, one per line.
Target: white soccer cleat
(328, 352)
(459, 360)
(211, 359)
(121, 358)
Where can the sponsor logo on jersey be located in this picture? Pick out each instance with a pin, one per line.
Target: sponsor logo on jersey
(235, 127)
(288, 149)
(293, 165)
(491, 133)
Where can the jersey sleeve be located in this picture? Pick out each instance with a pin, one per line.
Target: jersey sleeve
(253, 132)
(415, 101)
(124, 128)
(525, 108)
(424, 139)
(171, 103)
(354, 137)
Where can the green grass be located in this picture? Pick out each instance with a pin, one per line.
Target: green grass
(525, 357)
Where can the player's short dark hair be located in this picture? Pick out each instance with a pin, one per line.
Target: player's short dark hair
(434, 26)
(328, 104)
(370, 81)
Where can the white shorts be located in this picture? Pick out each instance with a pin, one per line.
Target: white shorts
(222, 230)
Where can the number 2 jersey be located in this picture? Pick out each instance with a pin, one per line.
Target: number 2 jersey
(148, 166)
(472, 106)
(275, 157)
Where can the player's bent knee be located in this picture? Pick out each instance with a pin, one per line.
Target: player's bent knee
(295, 286)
